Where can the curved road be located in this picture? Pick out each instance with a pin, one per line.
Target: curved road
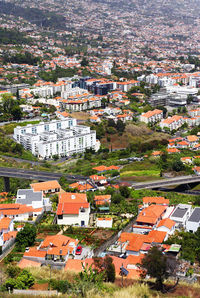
(36, 175)
(166, 182)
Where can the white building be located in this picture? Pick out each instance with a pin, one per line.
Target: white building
(57, 137)
(166, 225)
(73, 209)
(181, 214)
(151, 116)
(32, 198)
(104, 222)
(193, 223)
(172, 123)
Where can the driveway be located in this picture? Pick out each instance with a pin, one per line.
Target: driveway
(87, 252)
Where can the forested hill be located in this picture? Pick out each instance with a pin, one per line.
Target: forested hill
(33, 15)
(13, 36)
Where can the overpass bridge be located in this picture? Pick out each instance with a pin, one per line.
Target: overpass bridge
(167, 182)
(7, 173)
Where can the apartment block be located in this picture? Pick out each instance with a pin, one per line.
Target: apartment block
(57, 137)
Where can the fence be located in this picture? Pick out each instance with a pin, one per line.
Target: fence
(7, 247)
(35, 293)
(113, 238)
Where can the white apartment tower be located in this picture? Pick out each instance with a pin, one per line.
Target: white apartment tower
(57, 137)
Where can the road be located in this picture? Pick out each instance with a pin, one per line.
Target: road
(166, 182)
(36, 175)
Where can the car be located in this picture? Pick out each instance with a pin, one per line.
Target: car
(79, 250)
(123, 256)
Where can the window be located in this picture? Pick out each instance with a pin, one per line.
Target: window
(59, 125)
(60, 216)
(46, 127)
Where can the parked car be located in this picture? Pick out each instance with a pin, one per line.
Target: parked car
(79, 250)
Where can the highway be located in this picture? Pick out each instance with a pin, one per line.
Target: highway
(36, 175)
(166, 182)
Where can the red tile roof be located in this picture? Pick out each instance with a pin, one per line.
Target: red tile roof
(71, 208)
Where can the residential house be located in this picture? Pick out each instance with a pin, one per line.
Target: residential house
(186, 160)
(166, 225)
(101, 169)
(47, 187)
(6, 231)
(55, 248)
(99, 180)
(193, 222)
(19, 212)
(181, 214)
(125, 86)
(95, 119)
(31, 198)
(183, 145)
(62, 115)
(102, 200)
(73, 209)
(137, 244)
(104, 222)
(172, 150)
(124, 117)
(196, 170)
(154, 200)
(157, 153)
(192, 140)
(148, 218)
(83, 186)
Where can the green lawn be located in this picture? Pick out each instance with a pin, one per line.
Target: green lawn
(141, 169)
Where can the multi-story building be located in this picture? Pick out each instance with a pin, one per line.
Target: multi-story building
(81, 104)
(57, 137)
(172, 123)
(152, 116)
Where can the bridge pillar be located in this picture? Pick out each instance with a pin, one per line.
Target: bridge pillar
(6, 184)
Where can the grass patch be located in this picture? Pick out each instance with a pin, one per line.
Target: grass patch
(152, 173)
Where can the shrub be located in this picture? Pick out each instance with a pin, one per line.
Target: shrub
(60, 285)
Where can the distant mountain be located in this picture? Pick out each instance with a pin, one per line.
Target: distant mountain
(33, 15)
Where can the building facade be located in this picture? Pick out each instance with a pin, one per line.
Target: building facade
(57, 137)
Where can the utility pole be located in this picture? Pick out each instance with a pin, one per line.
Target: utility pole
(122, 275)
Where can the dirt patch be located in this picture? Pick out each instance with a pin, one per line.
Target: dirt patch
(185, 291)
(80, 115)
(40, 287)
(102, 234)
(118, 142)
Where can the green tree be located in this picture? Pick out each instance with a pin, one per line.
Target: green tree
(84, 62)
(26, 237)
(105, 266)
(116, 198)
(88, 279)
(16, 113)
(177, 165)
(12, 271)
(154, 264)
(125, 191)
(120, 126)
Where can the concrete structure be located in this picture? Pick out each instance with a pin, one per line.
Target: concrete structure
(30, 198)
(181, 214)
(104, 222)
(57, 137)
(193, 223)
